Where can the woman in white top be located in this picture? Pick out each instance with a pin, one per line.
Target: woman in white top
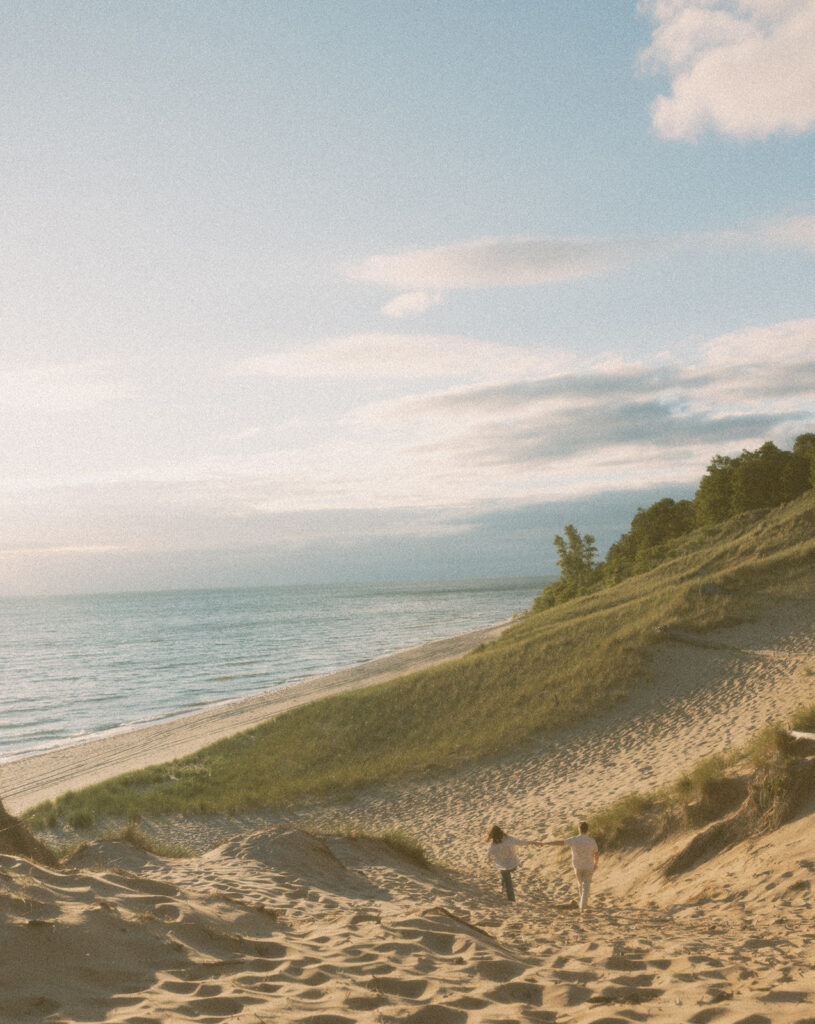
(502, 854)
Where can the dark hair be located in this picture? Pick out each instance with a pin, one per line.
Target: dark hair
(495, 835)
(583, 826)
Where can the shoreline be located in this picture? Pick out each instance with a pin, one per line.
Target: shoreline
(32, 778)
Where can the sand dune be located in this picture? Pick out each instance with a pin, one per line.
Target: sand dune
(280, 925)
(703, 700)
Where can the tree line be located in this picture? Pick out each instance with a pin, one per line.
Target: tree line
(764, 478)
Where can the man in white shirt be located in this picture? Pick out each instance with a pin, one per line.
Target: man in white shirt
(585, 857)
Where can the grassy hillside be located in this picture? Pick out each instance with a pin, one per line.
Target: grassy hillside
(551, 669)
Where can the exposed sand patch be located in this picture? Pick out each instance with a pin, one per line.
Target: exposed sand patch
(287, 927)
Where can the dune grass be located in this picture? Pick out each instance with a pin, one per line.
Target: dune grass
(764, 769)
(551, 669)
(399, 842)
(804, 720)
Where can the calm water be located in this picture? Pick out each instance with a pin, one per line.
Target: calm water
(75, 667)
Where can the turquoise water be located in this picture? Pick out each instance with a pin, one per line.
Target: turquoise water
(76, 667)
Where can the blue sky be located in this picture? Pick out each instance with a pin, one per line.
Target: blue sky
(366, 290)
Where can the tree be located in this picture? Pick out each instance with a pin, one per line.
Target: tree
(713, 496)
(577, 558)
(757, 479)
(804, 451)
(804, 445)
(764, 478)
(646, 543)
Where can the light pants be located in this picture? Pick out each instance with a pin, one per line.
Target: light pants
(583, 885)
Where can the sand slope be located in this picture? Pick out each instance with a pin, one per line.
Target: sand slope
(284, 926)
(277, 925)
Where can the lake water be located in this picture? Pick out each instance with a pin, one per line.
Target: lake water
(77, 667)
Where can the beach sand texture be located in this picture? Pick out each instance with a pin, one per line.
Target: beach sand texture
(277, 924)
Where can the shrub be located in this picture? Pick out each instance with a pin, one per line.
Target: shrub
(804, 720)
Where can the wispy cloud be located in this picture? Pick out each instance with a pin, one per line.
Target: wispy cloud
(761, 365)
(740, 68)
(59, 387)
(412, 303)
(423, 275)
(392, 357)
(491, 262)
(538, 431)
(517, 262)
(797, 232)
(744, 387)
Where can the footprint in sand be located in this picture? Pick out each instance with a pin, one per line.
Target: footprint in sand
(517, 992)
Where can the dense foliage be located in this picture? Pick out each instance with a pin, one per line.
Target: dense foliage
(577, 558)
(765, 478)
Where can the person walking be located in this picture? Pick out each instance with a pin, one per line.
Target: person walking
(502, 854)
(585, 857)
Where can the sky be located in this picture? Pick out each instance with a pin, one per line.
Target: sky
(350, 290)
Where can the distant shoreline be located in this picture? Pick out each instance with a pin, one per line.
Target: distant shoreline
(33, 778)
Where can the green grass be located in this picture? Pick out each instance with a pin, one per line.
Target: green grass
(549, 670)
(147, 844)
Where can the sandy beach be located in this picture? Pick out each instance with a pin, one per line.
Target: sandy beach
(277, 919)
(28, 781)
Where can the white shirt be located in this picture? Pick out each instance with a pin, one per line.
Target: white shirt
(583, 850)
(503, 854)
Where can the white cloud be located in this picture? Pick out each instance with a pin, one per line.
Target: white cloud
(792, 232)
(740, 67)
(505, 262)
(394, 357)
(411, 304)
(789, 344)
(535, 431)
(633, 422)
(494, 262)
(761, 366)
